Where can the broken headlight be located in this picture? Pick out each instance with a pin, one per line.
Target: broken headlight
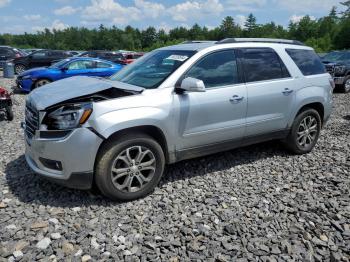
(68, 116)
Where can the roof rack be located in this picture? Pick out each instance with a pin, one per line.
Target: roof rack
(197, 42)
(259, 40)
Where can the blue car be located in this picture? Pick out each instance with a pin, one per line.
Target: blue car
(36, 77)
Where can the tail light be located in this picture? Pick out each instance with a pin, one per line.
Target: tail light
(17, 55)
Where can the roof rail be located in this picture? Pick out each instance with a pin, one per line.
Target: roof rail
(260, 40)
(197, 42)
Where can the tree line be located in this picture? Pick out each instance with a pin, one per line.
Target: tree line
(324, 34)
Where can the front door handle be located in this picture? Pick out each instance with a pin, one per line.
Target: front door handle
(236, 99)
(287, 91)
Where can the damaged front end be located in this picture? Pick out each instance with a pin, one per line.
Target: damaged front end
(53, 115)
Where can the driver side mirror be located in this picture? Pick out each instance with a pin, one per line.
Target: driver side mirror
(191, 84)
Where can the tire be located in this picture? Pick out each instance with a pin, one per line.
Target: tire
(9, 113)
(41, 82)
(346, 86)
(19, 68)
(114, 154)
(296, 137)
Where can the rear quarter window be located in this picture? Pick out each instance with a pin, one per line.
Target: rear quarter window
(307, 61)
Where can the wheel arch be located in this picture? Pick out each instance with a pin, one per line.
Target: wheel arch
(318, 106)
(153, 131)
(40, 78)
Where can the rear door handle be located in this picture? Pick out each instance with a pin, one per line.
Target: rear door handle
(236, 99)
(287, 91)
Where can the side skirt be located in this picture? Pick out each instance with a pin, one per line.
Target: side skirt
(228, 145)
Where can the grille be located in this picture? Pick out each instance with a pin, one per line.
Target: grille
(32, 121)
(330, 69)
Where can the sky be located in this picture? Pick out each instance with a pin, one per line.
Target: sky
(19, 16)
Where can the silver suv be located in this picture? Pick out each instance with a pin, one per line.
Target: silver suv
(175, 103)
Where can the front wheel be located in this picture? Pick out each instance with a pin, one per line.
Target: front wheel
(305, 132)
(130, 167)
(346, 85)
(41, 82)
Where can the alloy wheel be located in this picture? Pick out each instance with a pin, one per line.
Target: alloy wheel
(42, 83)
(20, 69)
(307, 131)
(133, 169)
(347, 85)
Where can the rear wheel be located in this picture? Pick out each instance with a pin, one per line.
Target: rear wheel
(346, 85)
(129, 168)
(19, 68)
(305, 132)
(42, 82)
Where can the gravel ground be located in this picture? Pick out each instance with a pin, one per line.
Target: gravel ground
(252, 204)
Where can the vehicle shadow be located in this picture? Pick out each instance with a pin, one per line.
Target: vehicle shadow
(31, 188)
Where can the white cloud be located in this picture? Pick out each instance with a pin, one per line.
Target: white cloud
(4, 2)
(240, 20)
(109, 11)
(307, 5)
(32, 17)
(297, 18)
(149, 9)
(195, 10)
(56, 25)
(66, 10)
(245, 5)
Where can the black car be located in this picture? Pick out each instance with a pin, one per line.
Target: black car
(9, 53)
(338, 65)
(39, 59)
(112, 56)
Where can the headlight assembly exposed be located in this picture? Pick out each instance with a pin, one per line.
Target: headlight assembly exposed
(68, 116)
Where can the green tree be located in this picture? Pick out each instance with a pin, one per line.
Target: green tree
(228, 28)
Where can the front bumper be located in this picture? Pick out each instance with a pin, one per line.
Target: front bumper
(76, 154)
(24, 84)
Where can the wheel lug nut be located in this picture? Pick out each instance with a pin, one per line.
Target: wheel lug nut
(140, 167)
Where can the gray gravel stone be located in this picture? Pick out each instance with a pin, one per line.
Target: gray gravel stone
(257, 203)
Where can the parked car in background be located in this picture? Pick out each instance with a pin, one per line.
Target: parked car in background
(37, 77)
(31, 50)
(9, 53)
(176, 103)
(112, 56)
(128, 58)
(38, 59)
(75, 53)
(338, 65)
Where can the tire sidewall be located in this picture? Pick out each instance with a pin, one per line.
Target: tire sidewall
(103, 172)
(299, 118)
(344, 87)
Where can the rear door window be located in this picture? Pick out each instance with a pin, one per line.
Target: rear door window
(261, 64)
(307, 61)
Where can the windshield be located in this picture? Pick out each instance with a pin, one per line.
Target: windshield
(152, 69)
(337, 56)
(59, 64)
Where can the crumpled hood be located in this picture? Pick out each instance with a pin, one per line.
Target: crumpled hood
(73, 87)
